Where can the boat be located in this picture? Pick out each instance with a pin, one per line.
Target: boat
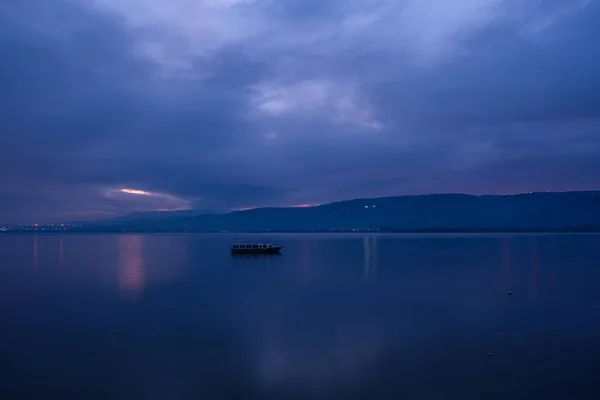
(255, 248)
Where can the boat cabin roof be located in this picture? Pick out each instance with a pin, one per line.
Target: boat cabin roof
(251, 245)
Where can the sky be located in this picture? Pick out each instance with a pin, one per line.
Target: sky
(114, 106)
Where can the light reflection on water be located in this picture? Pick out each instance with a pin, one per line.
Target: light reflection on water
(318, 360)
(370, 256)
(131, 267)
(35, 252)
(534, 264)
(62, 250)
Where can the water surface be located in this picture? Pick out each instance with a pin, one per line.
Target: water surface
(334, 316)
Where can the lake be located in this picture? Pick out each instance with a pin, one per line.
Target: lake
(334, 317)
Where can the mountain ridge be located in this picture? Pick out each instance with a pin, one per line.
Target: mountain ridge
(449, 211)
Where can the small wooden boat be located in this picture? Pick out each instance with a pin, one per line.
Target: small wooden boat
(255, 248)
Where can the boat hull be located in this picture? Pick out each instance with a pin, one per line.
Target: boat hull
(270, 250)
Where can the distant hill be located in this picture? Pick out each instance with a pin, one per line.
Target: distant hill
(156, 216)
(578, 211)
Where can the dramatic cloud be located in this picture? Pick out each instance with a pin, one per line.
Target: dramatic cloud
(317, 98)
(113, 106)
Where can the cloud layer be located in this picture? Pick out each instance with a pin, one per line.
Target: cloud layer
(223, 104)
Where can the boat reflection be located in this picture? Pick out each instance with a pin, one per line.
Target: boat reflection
(370, 256)
(131, 267)
(255, 256)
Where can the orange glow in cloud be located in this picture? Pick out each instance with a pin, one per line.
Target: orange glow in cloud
(135, 191)
(147, 201)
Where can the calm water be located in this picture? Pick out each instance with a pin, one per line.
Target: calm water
(335, 316)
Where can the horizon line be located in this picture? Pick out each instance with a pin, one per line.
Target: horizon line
(313, 205)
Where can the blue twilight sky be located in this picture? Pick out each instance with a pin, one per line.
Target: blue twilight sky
(227, 104)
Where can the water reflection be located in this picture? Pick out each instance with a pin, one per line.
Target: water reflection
(370, 256)
(220, 328)
(534, 264)
(506, 262)
(254, 256)
(317, 360)
(62, 252)
(35, 252)
(131, 266)
(305, 252)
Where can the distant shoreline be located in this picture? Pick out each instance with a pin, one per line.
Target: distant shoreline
(567, 212)
(586, 229)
